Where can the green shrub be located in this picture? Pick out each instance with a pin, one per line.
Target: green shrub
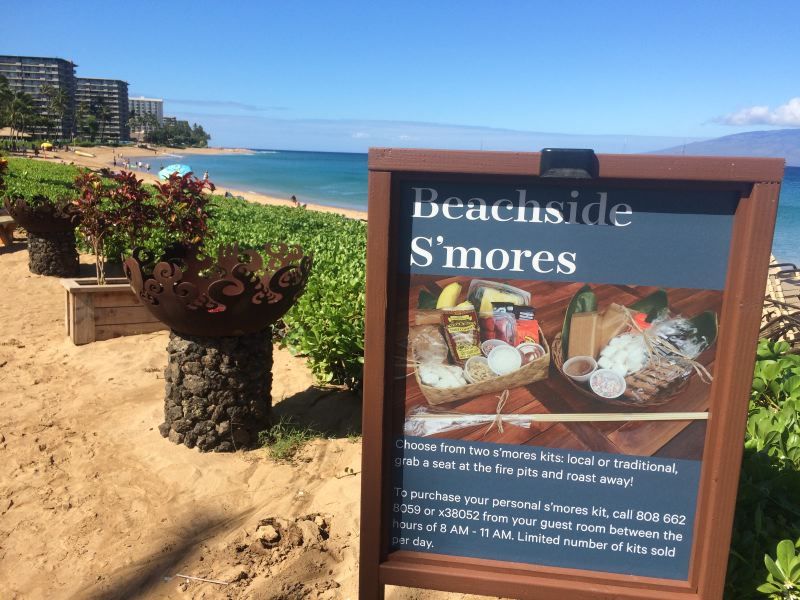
(767, 507)
(783, 577)
(327, 323)
(40, 181)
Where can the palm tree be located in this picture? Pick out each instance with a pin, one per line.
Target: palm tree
(135, 123)
(20, 112)
(57, 103)
(48, 91)
(101, 112)
(79, 124)
(5, 100)
(60, 105)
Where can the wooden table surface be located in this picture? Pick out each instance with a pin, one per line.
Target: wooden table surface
(676, 439)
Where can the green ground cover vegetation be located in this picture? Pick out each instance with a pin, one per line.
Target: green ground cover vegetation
(38, 180)
(327, 327)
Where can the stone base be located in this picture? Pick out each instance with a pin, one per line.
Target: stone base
(218, 390)
(53, 253)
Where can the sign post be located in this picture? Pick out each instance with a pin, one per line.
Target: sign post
(559, 354)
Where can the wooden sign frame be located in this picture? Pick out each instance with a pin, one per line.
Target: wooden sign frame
(757, 181)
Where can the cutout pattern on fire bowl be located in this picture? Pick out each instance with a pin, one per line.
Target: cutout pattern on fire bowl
(237, 293)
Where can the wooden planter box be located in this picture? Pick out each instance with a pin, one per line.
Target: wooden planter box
(101, 312)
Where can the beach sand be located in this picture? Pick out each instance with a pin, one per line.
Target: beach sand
(95, 504)
(104, 157)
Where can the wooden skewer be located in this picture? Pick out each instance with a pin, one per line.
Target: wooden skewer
(665, 416)
(575, 417)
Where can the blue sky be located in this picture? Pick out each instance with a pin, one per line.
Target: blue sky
(498, 75)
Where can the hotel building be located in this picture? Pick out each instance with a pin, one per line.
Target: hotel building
(145, 106)
(28, 74)
(91, 92)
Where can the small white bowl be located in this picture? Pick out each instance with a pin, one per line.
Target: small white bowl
(504, 359)
(488, 345)
(530, 352)
(607, 383)
(472, 360)
(575, 359)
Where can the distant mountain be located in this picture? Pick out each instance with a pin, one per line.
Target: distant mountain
(780, 143)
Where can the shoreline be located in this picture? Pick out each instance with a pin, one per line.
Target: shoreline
(104, 158)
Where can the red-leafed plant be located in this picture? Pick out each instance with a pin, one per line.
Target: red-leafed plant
(112, 207)
(121, 213)
(97, 221)
(131, 202)
(182, 207)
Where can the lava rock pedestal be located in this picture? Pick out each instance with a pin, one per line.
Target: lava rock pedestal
(53, 253)
(221, 311)
(218, 390)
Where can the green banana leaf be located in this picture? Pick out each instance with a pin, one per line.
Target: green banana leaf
(707, 325)
(426, 300)
(651, 305)
(584, 300)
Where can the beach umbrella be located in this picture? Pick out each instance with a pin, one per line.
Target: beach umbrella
(176, 168)
(46, 146)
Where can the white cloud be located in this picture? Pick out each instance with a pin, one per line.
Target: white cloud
(356, 135)
(787, 115)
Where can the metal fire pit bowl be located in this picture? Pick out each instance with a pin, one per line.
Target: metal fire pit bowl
(237, 293)
(44, 217)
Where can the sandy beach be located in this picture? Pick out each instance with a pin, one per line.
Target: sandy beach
(103, 156)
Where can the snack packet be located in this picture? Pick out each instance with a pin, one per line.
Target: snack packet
(461, 332)
(527, 325)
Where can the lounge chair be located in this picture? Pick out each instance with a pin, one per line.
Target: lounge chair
(780, 319)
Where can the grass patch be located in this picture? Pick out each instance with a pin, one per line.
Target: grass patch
(285, 439)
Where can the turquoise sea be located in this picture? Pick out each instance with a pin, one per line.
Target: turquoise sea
(786, 243)
(332, 178)
(340, 179)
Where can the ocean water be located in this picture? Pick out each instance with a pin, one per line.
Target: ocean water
(331, 178)
(340, 179)
(786, 242)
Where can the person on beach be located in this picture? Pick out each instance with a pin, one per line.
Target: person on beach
(205, 176)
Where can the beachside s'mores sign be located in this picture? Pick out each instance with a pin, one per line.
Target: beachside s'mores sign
(558, 359)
